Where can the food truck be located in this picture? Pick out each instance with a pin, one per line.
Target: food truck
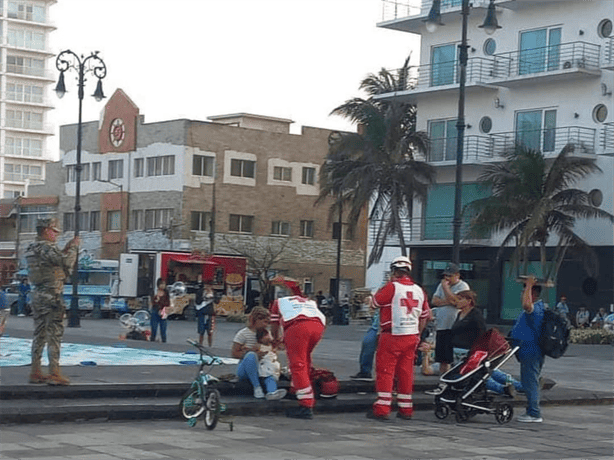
(97, 287)
(139, 271)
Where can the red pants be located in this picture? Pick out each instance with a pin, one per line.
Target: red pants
(301, 337)
(395, 358)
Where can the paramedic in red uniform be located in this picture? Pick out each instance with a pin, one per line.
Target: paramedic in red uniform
(404, 311)
(303, 325)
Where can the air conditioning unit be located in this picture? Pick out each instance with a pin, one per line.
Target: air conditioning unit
(567, 65)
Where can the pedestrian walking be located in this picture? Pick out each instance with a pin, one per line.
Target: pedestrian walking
(404, 311)
(526, 332)
(48, 267)
(303, 325)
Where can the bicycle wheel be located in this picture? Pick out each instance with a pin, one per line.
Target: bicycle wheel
(212, 408)
(192, 405)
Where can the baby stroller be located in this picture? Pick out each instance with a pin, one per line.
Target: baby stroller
(465, 391)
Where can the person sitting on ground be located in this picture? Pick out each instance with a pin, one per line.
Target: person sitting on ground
(583, 317)
(246, 348)
(599, 318)
(368, 346)
(269, 368)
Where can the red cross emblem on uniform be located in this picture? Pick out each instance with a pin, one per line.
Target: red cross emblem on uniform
(409, 302)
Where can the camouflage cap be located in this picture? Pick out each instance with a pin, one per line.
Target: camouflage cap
(48, 222)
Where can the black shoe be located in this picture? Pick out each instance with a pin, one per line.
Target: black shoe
(381, 418)
(300, 412)
(403, 416)
(365, 376)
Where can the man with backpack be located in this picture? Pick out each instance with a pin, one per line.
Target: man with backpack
(527, 332)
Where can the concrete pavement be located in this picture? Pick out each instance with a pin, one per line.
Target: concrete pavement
(583, 376)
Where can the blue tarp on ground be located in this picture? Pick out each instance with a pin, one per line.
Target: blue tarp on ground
(17, 352)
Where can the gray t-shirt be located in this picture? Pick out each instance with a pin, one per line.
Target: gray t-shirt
(446, 314)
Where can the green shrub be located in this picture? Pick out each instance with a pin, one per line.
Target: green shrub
(591, 336)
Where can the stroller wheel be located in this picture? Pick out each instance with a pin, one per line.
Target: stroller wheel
(504, 412)
(441, 411)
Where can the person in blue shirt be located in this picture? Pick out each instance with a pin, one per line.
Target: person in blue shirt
(526, 332)
(369, 346)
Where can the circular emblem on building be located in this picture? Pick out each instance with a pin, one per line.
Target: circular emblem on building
(117, 132)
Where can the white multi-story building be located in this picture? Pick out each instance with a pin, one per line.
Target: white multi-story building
(26, 78)
(544, 79)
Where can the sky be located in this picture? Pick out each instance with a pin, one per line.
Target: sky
(295, 59)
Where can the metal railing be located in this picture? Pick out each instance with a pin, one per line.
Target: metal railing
(475, 149)
(422, 229)
(548, 141)
(446, 73)
(606, 141)
(29, 71)
(397, 9)
(575, 55)
(608, 53)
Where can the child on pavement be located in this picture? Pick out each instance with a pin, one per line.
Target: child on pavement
(269, 368)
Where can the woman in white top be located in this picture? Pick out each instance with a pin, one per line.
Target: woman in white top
(246, 348)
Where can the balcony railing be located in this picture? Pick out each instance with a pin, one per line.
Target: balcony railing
(397, 9)
(422, 229)
(446, 73)
(606, 141)
(575, 55)
(475, 149)
(608, 54)
(548, 141)
(478, 148)
(30, 71)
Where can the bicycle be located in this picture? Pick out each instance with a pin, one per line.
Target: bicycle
(203, 397)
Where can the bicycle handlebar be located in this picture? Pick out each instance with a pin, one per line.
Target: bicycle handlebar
(203, 351)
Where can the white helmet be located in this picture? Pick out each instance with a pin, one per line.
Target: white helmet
(401, 262)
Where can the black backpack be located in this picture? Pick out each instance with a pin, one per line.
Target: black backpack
(554, 337)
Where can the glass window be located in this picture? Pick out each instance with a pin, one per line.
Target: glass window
(30, 214)
(114, 221)
(443, 65)
(242, 224)
(158, 218)
(536, 129)
(139, 167)
(309, 176)
(161, 166)
(443, 134)
(485, 125)
(307, 228)
(69, 222)
(242, 168)
(138, 220)
(280, 228)
(283, 174)
(96, 170)
(605, 28)
(539, 50)
(94, 221)
(600, 113)
(202, 165)
(116, 169)
(201, 221)
(490, 46)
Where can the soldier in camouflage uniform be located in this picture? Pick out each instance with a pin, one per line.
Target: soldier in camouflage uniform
(48, 268)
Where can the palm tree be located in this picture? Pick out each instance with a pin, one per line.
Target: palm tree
(377, 165)
(534, 201)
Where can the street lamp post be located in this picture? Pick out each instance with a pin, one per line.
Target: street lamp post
(490, 26)
(68, 60)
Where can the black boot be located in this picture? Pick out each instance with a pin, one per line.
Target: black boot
(300, 412)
